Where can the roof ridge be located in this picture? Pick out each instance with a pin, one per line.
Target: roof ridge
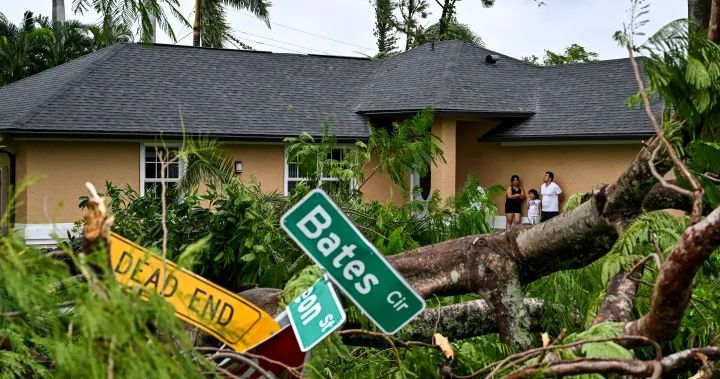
(451, 73)
(220, 49)
(368, 83)
(599, 61)
(34, 111)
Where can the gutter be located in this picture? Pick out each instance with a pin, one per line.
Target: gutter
(568, 137)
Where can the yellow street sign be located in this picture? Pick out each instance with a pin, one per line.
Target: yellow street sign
(227, 316)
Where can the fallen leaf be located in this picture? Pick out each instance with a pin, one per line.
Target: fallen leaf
(545, 339)
(444, 344)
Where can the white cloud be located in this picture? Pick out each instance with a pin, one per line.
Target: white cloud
(513, 27)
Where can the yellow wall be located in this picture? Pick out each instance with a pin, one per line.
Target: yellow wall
(264, 162)
(577, 168)
(380, 187)
(65, 166)
(444, 175)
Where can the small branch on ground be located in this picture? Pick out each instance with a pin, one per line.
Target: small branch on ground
(18, 313)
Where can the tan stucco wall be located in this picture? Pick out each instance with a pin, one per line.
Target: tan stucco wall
(264, 162)
(380, 187)
(577, 168)
(65, 167)
(444, 175)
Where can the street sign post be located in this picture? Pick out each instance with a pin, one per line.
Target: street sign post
(315, 314)
(225, 315)
(327, 236)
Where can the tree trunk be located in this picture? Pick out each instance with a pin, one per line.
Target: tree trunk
(153, 22)
(196, 26)
(58, 11)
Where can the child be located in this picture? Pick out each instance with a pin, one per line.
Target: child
(534, 207)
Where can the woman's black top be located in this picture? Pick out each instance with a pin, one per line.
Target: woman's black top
(513, 205)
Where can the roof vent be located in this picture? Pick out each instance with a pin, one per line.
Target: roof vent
(492, 58)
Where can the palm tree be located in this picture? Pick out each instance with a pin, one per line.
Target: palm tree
(147, 14)
(23, 48)
(58, 10)
(211, 27)
(72, 39)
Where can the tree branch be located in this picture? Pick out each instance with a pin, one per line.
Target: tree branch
(674, 283)
(619, 298)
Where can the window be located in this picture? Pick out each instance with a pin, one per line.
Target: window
(151, 168)
(295, 176)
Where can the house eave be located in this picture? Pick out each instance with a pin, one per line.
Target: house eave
(447, 112)
(568, 137)
(169, 136)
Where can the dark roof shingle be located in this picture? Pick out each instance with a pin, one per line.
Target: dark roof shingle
(583, 100)
(129, 89)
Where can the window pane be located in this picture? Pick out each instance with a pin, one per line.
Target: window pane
(150, 171)
(337, 154)
(291, 185)
(173, 171)
(152, 187)
(292, 170)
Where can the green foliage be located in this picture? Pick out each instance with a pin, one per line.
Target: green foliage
(573, 54)
(406, 147)
(127, 13)
(573, 201)
(453, 31)
(215, 30)
(106, 329)
(386, 39)
(683, 70)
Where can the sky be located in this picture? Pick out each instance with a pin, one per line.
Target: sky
(345, 27)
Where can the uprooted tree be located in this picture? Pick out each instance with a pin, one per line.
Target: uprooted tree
(479, 284)
(683, 69)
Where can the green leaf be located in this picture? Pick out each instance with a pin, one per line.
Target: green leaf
(606, 350)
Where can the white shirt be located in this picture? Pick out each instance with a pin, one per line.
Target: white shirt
(550, 197)
(534, 208)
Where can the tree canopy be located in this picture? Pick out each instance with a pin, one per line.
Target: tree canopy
(573, 54)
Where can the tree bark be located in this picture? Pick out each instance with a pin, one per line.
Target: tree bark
(457, 322)
(684, 360)
(674, 283)
(58, 11)
(714, 23)
(619, 299)
(699, 10)
(196, 25)
(496, 265)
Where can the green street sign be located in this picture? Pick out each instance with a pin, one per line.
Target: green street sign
(315, 314)
(327, 236)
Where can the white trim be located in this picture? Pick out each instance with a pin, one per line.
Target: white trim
(570, 143)
(286, 174)
(43, 234)
(500, 221)
(143, 155)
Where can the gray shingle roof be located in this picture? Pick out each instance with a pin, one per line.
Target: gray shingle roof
(451, 76)
(583, 100)
(131, 89)
(128, 89)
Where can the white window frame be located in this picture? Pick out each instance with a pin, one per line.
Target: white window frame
(323, 178)
(143, 155)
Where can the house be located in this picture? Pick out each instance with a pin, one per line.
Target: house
(96, 118)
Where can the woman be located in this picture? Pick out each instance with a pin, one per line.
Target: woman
(514, 195)
(550, 197)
